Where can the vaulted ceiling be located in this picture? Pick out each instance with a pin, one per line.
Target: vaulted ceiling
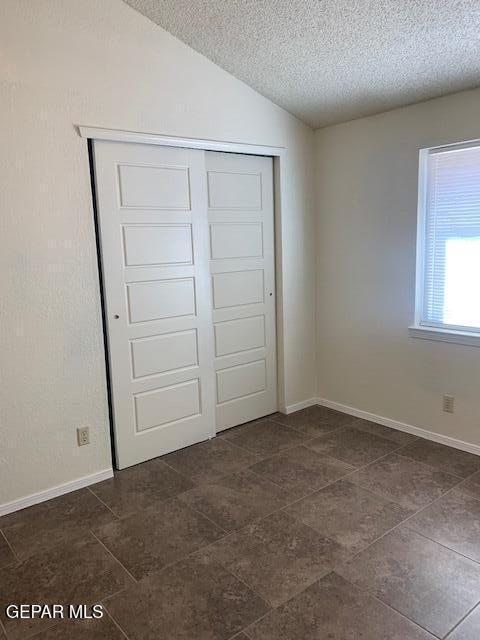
(327, 61)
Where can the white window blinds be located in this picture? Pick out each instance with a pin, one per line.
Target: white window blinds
(451, 269)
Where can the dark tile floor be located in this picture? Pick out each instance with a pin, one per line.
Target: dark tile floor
(310, 526)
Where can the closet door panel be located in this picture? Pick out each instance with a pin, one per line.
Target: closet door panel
(152, 212)
(240, 215)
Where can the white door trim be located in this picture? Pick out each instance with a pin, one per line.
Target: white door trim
(278, 154)
(98, 133)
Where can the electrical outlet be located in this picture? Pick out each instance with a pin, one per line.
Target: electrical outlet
(448, 404)
(83, 436)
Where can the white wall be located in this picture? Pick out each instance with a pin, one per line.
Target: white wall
(99, 63)
(367, 200)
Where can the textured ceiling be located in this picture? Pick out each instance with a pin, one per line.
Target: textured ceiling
(328, 61)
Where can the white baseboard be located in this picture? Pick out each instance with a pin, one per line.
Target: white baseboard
(54, 492)
(79, 483)
(300, 405)
(401, 426)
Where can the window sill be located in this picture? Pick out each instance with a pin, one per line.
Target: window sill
(468, 338)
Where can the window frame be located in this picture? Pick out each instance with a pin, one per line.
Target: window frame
(430, 330)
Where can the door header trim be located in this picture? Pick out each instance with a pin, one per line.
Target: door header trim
(98, 133)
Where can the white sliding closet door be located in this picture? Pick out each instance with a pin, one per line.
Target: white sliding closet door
(240, 215)
(152, 212)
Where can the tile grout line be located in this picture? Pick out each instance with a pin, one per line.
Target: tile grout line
(255, 520)
(400, 613)
(236, 446)
(258, 521)
(307, 438)
(431, 466)
(353, 424)
(204, 516)
(395, 502)
(402, 446)
(183, 558)
(10, 546)
(305, 443)
(403, 523)
(254, 622)
(110, 596)
(116, 623)
(467, 495)
(384, 497)
(356, 420)
(104, 503)
(179, 472)
(280, 509)
(368, 594)
(396, 451)
(191, 553)
(275, 484)
(399, 525)
(221, 475)
(298, 429)
(262, 477)
(323, 455)
(343, 477)
(367, 464)
(461, 621)
(444, 637)
(226, 532)
(114, 557)
(56, 623)
(289, 504)
(196, 483)
(461, 480)
(270, 607)
(470, 476)
(437, 469)
(246, 468)
(308, 435)
(458, 553)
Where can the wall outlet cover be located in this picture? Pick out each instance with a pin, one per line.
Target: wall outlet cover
(83, 436)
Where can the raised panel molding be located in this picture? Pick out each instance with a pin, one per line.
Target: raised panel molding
(241, 334)
(157, 244)
(240, 381)
(234, 191)
(161, 407)
(237, 288)
(160, 299)
(236, 240)
(164, 353)
(143, 186)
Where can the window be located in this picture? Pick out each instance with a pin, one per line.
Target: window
(448, 250)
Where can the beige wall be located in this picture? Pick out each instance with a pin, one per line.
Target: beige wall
(99, 63)
(367, 200)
